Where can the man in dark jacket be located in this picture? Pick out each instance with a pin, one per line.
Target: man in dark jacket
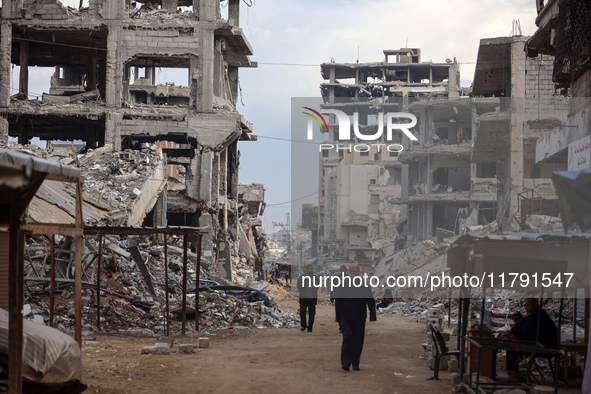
(526, 329)
(308, 298)
(334, 291)
(351, 312)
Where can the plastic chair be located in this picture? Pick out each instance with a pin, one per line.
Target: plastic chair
(441, 349)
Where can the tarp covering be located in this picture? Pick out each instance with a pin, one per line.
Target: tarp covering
(535, 255)
(574, 195)
(30, 164)
(46, 350)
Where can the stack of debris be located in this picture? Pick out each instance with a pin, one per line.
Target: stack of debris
(118, 181)
(133, 291)
(252, 239)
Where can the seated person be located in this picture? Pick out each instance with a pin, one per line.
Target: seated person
(526, 330)
(387, 300)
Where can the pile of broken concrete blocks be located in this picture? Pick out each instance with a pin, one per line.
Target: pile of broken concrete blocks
(164, 346)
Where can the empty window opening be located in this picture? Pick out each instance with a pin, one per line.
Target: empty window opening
(486, 170)
(449, 180)
(153, 85)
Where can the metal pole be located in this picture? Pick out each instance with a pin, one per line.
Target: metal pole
(449, 312)
(197, 286)
(184, 304)
(480, 347)
(574, 316)
(460, 304)
(78, 246)
(98, 283)
(52, 285)
(166, 322)
(15, 314)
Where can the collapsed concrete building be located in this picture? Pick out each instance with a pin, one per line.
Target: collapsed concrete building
(531, 106)
(253, 239)
(562, 28)
(474, 161)
(442, 188)
(104, 91)
(360, 190)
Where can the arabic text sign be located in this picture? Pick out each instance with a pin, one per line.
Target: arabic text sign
(579, 154)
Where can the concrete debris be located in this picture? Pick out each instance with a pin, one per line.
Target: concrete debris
(222, 310)
(166, 342)
(187, 348)
(203, 342)
(156, 350)
(126, 303)
(544, 223)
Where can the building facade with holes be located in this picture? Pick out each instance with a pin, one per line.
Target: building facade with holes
(531, 107)
(564, 32)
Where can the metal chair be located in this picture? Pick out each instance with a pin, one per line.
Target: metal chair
(441, 349)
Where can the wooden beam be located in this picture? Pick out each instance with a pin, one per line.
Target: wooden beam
(52, 229)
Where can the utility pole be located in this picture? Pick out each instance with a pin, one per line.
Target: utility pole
(286, 227)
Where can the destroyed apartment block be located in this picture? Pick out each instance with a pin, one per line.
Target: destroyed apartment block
(444, 192)
(475, 159)
(359, 227)
(532, 108)
(106, 91)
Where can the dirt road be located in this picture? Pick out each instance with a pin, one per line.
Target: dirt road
(268, 361)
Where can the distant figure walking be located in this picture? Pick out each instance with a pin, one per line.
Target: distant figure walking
(334, 292)
(308, 299)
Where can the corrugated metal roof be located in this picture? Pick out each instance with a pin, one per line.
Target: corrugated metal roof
(55, 193)
(31, 164)
(523, 236)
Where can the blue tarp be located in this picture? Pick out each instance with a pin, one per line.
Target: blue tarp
(574, 195)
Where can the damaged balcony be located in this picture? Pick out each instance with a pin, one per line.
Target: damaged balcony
(356, 220)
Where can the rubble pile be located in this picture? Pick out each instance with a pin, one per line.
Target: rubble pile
(419, 259)
(410, 307)
(252, 240)
(423, 258)
(129, 306)
(222, 310)
(113, 180)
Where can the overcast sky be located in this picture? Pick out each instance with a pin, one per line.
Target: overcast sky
(292, 38)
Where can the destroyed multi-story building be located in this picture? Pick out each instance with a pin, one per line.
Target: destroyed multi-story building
(359, 190)
(104, 59)
(443, 190)
(563, 35)
(531, 106)
(474, 161)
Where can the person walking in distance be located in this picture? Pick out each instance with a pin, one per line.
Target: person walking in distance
(334, 291)
(308, 298)
(352, 303)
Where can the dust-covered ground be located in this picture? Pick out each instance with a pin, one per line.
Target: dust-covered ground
(268, 360)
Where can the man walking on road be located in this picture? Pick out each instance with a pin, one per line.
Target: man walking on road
(308, 298)
(335, 291)
(351, 312)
